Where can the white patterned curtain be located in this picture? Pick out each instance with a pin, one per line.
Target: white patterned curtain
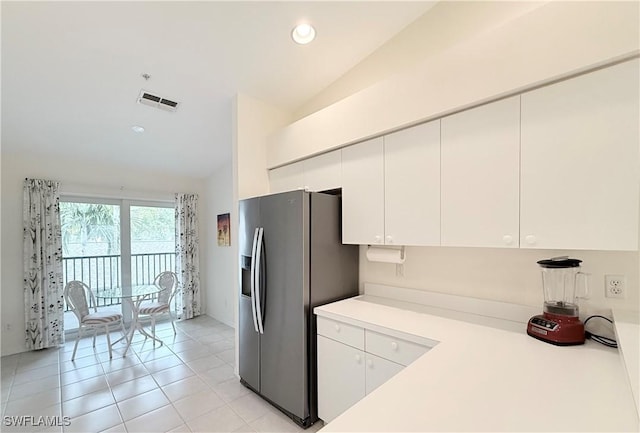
(43, 286)
(187, 259)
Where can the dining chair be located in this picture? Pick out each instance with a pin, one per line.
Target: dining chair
(168, 281)
(81, 301)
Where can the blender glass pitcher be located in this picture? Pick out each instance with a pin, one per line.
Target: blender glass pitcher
(560, 277)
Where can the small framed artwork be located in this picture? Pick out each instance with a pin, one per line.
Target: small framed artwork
(224, 230)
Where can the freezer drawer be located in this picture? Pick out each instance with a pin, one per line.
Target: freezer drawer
(249, 361)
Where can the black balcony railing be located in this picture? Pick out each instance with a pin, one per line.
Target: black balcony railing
(103, 272)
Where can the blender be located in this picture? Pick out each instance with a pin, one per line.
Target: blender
(559, 324)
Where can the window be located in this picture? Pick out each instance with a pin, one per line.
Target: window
(115, 243)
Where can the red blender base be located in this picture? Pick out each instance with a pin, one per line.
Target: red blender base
(556, 329)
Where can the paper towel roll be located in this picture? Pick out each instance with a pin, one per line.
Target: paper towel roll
(385, 254)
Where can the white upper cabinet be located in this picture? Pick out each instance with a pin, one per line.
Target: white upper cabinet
(412, 185)
(323, 172)
(320, 173)
(554, 168)
(286, 178)
(363, 193)
(391, 189)
(480, 176)
(579, 172)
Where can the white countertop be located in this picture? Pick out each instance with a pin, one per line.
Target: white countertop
(628, 337)
(479, 378)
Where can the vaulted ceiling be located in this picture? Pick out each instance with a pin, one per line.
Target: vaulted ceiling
(72, 72)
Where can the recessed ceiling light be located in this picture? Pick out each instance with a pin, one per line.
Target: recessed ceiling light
(303, 33)
(138, 129)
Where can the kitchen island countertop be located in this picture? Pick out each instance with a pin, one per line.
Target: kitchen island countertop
(479, 378)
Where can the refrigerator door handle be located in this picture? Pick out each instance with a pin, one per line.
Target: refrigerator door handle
(259, 303)
(253, 279)
(263, 284)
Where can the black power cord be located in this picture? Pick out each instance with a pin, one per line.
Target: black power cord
(610, 342)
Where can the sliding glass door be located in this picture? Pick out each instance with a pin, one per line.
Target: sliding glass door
(115, 243)
(91, 248)
(153, 248)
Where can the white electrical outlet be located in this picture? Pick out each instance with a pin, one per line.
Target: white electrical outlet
(614, 286)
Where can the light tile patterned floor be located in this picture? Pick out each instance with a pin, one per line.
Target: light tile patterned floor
(186, 385)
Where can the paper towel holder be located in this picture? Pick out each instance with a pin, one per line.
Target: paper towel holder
(397, 260)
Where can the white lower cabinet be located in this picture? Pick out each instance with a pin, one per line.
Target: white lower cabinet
(341, 377)
(378, 371)
(354, 361)
(394, 349)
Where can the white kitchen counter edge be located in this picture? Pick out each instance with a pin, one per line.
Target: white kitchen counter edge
(627, 327)
(483, 372)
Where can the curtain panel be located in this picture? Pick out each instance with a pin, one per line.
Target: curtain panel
(187, 257)
(43, 281)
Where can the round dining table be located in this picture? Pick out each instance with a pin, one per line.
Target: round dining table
(133, 296)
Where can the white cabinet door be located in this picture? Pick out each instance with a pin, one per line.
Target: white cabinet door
(341, 377)
(379, 370)
(481, 175)
(286, 178)
(412, 185)
(579, 173)
(323, 172)
(363, 193)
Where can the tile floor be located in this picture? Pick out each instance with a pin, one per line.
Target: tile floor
(186, 385)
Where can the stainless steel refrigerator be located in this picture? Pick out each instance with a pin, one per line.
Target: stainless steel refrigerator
(291, 260)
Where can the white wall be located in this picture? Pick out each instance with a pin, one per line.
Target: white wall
(508, 275)
(253, 122)
(221, 290)
(80, 178)
(442, 26)
(551, 41)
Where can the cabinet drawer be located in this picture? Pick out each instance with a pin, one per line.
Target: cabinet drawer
(342, 332)
(394, 349)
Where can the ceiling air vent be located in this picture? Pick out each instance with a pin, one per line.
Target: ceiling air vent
(156, 101)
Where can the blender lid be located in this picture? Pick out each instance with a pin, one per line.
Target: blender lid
(560, 262)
